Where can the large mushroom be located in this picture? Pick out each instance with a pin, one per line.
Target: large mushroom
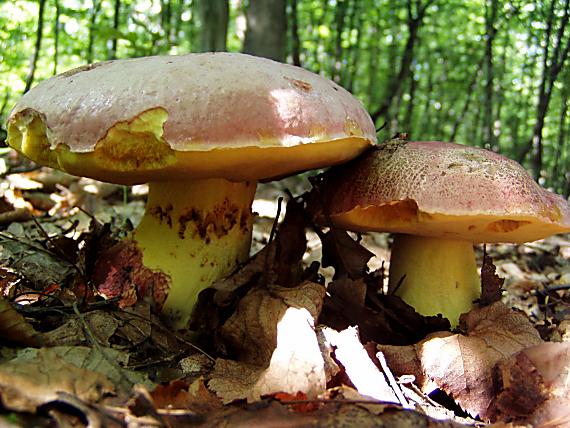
(201, 129)
(439, 199)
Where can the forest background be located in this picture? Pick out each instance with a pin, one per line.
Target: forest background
(488, 73)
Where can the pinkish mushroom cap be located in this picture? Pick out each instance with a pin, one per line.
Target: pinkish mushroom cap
(443, 190)
(202, 115)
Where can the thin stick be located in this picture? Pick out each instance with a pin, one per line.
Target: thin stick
(392, 380)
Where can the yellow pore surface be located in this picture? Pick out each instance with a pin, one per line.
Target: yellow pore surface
(135, 152)
(405, 217)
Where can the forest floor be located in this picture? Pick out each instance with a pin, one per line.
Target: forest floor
(68, 357)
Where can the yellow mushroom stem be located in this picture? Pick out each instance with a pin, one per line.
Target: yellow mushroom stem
(195, 232)
(438, 276)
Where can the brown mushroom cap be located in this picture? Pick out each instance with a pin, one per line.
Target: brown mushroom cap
(199, 115)
(442, 190)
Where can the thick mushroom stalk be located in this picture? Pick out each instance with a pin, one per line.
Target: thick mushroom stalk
(435, 276)
(195, 232)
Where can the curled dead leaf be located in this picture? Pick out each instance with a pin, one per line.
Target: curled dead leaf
(26, 384)
(491, 283)
(181, 395)
(251, 332)
(533, 386)
(272, 333)
(462, 365)
(347, 256)
(14, 328)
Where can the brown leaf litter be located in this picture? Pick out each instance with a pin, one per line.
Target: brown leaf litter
(462, 364)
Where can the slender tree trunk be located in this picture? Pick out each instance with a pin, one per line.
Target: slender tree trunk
(214, 15)
(266, 29)
(4, 104)
(414, 22)
(166, 20)
(500, 95)
(37, 46)
(340, 20)
(374, 54)
(349, 71)
(295, 39)
(56, 29)
(470, 91)
(491, 7)
(116, 22)
(552, 65)
(562, 134)
(92, 22)
(177, 12)
(316, 22)
(191, 29)
(408, 118)
(426, 125)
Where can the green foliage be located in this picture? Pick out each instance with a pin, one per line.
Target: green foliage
(358, 43)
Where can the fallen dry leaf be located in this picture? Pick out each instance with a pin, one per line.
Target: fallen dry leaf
(180, 395)
(347, 256)
(72, 332)
(14, 328)
(120, 273)
(491, 283)
(298, 402)
(272, 333)
(362, 372)
(341, 413)
(27, 384)
(462, 365)
(291, 244)
(534, 386)
(251, 332)
(108, 362)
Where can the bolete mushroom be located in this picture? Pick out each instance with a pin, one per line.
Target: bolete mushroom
(439, 199)
(201, 129)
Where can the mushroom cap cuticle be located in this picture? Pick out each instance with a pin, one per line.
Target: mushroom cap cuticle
(442, 189)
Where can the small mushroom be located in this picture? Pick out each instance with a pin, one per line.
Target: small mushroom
(439, 199)
(201, 129)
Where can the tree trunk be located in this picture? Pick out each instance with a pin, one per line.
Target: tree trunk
(426, 124)
(339, 25)
(177, 13)
(37, 47)
(116, 21)
(266, 29)
(353, 57)
(499, 96)
(408, 118)
(4, 104)
(558, 150)
(470, 91)
(394, 86)
(491, 7)
(316, 22)
(56, 29)
(166, 21)
(92, 28)
(552, 65)
(295, 39)
(214, 16)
